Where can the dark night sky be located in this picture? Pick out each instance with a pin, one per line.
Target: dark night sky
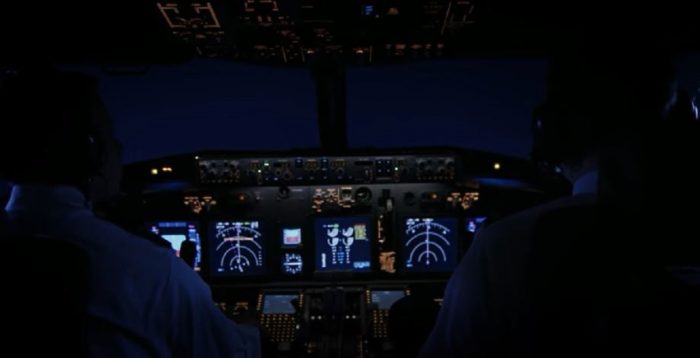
(208, 104)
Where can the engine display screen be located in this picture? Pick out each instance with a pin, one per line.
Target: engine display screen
(343, 244)
(429, 244)
(384, 299)
(177, 233)
(276, 304)
(236, 248)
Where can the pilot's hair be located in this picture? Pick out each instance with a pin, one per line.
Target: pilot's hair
(599, 92)
(48, 118)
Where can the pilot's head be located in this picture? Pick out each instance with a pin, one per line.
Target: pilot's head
(57, 131)
(600, 94)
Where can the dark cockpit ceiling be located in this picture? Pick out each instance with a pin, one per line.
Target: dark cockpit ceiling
(300, 31)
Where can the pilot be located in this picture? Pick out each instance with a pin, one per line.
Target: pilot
(599, 97)
(60, 155)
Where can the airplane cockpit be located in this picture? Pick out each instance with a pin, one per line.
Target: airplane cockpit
(320, 246)
(296, 157)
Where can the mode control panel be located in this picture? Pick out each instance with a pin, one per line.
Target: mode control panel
(322, 170)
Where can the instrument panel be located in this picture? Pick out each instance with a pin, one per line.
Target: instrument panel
(320, 248)
(405, 230)
(308, 217)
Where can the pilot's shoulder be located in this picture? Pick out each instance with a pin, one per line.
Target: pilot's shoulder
(519, 227)
(120, 244)
(154, 261)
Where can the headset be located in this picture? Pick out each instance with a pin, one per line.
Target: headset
(73, 113)
(554, 141)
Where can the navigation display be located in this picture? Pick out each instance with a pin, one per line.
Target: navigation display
(236, 248)
(429, 244)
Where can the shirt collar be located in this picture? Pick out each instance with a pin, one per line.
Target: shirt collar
(41, 197)
(587, 183)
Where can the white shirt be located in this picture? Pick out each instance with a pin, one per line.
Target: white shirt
(145, 302)
(485, 296)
